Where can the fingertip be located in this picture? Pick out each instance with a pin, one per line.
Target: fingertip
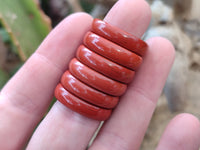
(182, 133)
(131, 16)
(80, 14)
(164, 48)
(189, 121)
(162, 42)
(187, 116)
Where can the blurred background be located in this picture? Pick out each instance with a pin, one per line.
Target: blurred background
(25, 23)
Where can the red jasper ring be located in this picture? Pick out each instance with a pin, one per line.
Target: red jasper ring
(96, 80)
(119, 36)
(105, 64)
(87, 93)
(80, 106)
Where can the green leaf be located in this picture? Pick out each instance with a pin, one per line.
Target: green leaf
(87, 6)
(3, 78)
(4, 35)
(26, 24)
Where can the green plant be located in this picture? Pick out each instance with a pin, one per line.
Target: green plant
(23, 26)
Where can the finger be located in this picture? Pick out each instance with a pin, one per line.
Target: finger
(27, 95)
(68, 123)
(126, 128)
(131, 16)
(182, 133)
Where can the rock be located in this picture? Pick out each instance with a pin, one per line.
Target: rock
(99, 11)
(162, 14)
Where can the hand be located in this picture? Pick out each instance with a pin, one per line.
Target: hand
(26, 97)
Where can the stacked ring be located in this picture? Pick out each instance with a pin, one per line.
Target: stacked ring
(104, 65)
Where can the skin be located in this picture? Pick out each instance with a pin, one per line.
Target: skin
(26, 97)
